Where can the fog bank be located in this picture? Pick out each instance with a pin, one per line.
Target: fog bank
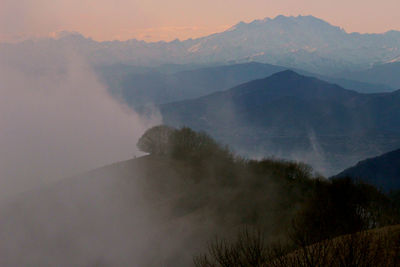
(57, 120)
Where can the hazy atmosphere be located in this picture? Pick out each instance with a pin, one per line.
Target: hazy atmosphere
(57, 120)
(208, 134)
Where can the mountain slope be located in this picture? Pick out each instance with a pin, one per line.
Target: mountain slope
(382, 171)
(118, 215)
(297, 117)
(146, 211)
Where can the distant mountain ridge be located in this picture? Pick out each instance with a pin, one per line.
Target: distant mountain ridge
(140, 86)
(304, 42)
(296, 117)
(382, 171)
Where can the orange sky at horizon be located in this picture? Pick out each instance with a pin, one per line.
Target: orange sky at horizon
(155, 20)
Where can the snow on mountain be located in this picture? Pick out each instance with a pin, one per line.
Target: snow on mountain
(304, 41)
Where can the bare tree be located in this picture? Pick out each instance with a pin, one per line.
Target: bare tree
(362, 249)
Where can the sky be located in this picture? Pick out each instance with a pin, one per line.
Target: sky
(154, 20)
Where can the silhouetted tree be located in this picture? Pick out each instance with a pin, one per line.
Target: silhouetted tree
(156, 140)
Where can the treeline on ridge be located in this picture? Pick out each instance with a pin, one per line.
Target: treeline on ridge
(284, 200)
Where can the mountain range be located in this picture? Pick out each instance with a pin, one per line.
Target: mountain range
(304, 42)
(295, 117)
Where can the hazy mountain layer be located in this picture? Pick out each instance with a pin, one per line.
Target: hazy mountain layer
(297, 117)
(139, 86)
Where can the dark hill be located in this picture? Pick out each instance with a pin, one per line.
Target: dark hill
(297, 117)
(382, 171)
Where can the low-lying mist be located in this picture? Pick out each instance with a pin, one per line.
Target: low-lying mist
(57, 119)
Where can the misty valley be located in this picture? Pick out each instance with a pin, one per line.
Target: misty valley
(272, 143)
